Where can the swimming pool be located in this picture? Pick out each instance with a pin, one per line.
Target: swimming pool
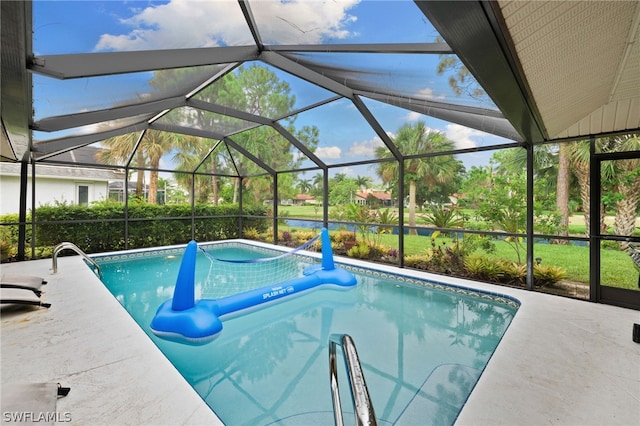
(422, 345)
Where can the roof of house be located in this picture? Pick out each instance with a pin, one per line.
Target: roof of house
(304, 197)
(80, 162)
(383, 196)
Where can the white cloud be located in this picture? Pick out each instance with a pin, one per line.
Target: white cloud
(303, 21)
(413, 116)
(180, 23)
(189, 23)
(329, 152)
(365, 148)
(463, 136)
(427, 92)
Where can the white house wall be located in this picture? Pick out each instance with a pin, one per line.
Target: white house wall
(54, 185)
(48, 191)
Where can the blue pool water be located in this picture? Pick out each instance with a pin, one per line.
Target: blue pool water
(422, 345)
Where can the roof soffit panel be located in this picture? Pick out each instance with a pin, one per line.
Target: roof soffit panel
(627, 85)
(570, 53)
(621, 115)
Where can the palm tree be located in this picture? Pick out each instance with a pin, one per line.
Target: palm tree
(152, 147)
(432, 171)
(191, 151)
(339, 177)
(579, 159)
(155, 144)
(317, 185)
(304, 185)
(563, 180)
(118, 150)
(364, 182)
(628, 187)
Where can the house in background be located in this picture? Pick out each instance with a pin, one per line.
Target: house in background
(302, 199)
(374, 198)
(80, 185)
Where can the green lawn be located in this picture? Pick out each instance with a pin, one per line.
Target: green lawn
(617, 267)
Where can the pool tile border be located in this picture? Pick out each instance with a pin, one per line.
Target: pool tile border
(433, 284)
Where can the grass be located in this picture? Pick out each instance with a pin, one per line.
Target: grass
(617, 268)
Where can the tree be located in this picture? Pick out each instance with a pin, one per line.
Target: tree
(461, 81)
(562, 188)
(579, 157)
(255, 90)
(339, 177)
(152, 147)
(189, 156)
(364, 182)
(626, 186)
(551, 165)
(118, 150)
(155, 144)
(192, 149)
(318, 182)
(304, 185)
(431, 171)
(342, 190)
(265, 95)
(475, 181)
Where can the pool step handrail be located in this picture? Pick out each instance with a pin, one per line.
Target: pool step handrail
(67, 245)
(362, 406)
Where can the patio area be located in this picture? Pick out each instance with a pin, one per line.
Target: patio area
(562, 361)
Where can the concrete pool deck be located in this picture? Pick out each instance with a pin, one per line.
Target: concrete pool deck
(561, 362)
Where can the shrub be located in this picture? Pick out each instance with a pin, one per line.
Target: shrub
(483, 268)
(547, 275)
(513, 273)
(304, 236)
(443, 217)
(250, 234)
(100, 227)
(360, 251)
(8, 247)
(343, 236)
(417, 261)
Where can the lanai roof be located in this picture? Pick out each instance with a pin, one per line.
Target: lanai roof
(550, 70)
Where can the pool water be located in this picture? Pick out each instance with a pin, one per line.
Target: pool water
(422, 345)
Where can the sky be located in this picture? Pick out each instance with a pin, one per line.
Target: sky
(65, 27)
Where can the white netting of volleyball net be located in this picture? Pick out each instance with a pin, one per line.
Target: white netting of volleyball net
(230, 274)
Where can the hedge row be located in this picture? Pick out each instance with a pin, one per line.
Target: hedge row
(101, 228)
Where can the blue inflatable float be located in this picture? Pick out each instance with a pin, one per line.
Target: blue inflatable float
(185, 320)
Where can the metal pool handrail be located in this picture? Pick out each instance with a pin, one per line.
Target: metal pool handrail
(68, 245)
(362, 406)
